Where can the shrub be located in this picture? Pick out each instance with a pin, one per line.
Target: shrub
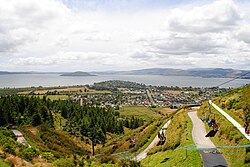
(64, 162)
(29, 153)
(129, 163)
(8, 149)
(48, 156)
(108, 159)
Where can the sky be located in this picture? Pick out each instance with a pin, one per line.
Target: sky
(104, 35)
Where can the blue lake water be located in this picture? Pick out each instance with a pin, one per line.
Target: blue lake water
(28, 80)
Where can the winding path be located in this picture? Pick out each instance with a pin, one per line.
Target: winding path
(210, 157)
(143, 154)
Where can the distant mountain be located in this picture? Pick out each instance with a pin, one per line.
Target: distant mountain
(28, 72)
(199, 72)
(77, 73)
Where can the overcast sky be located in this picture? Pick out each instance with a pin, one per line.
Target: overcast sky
(98, 35)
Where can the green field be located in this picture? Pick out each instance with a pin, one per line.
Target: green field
(53, 97)
(140, 112)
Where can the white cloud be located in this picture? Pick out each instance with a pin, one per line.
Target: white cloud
(38, 34)
(218, 16)
(201, 36)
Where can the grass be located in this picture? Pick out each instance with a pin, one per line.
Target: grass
(4, 164)
(58, 119)
(53, 97)
(142, 135)
(228, 135)
(236, 114)
(178, 134)
(58, 90)
(59, 143)
(58, 97)
(140, 112)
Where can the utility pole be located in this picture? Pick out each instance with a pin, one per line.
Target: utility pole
(91, 133)
(93, 144)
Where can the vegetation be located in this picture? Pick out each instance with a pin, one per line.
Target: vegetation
(236, 103)
(114, 85)
(20, 110)
(179, 135)
(4, 164)
(147, 114)
(228, 135)
(11, 146)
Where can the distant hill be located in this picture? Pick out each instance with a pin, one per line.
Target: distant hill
(28, 72)
(77, 73)
(198, 72)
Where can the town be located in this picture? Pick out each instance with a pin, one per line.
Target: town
(125, 93)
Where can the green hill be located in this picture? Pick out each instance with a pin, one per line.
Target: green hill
(237, 104)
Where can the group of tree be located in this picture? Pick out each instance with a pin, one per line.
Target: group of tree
(88, 120)
(133, 123)
(23, 110)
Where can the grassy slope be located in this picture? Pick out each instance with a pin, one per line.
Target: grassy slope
(228, 135)
(234, 102)
(179, 134)
(143, 135)
(140, 112)
(57, 142)
(3, 164)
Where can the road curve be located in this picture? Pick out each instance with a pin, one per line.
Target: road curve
(212, 157)
(143, 154)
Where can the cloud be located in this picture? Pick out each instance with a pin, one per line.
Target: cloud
(23, 22)
(46, 34)
(210, 35)
(61, 58)
(218, 16)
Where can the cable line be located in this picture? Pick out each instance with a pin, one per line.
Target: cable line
(232, 79)
(193, 147)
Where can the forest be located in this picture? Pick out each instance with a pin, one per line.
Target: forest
(88, 120)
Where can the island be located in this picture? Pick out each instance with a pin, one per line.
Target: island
(77, 73)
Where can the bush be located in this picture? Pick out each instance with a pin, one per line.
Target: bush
(129, 163)
(8, 149)
(108, 159)
(48, 156)
(29, 153)
(64, 162)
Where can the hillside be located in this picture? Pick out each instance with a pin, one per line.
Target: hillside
(196, 72)
(237, 104)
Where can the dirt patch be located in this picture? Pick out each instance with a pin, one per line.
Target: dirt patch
(167, 111)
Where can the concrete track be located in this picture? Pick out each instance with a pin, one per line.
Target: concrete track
(212, 157)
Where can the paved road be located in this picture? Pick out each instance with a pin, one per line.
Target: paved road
(20, 137)
(229, 118)
(143, 154)
(211, 157)
(150, 97)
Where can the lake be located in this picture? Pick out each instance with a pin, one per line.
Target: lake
(28, 80)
